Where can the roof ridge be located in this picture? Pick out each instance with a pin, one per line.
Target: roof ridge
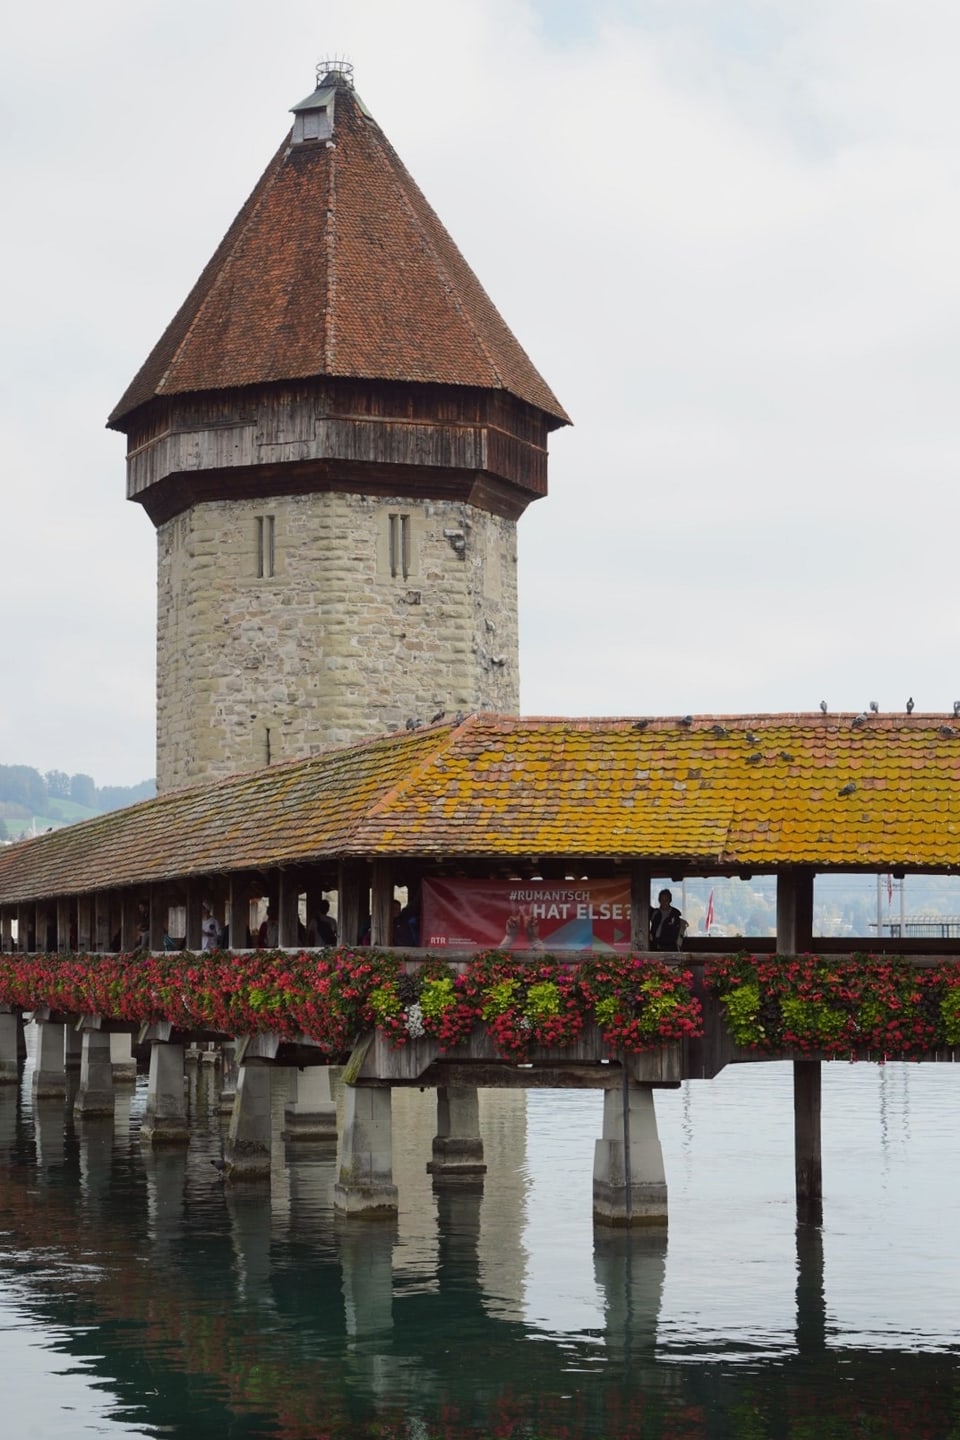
(453, 729)
(224, 269)
(196, 298)
(443, 274)
(734, 717)
(329, 319)
(366, 742)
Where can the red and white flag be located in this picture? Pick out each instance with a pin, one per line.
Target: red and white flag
(708, 918)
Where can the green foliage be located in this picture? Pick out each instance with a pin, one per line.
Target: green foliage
(742, 1007)
(950, 1013)
(837, 1005)
(49, 799)
(822, 1022)
(385, 1001)
(542, 999)
(437, 995)
(498, 998)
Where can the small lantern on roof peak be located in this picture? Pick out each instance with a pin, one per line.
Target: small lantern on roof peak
(313, 117)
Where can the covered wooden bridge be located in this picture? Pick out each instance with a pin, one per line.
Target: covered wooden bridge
(494, 796)
(496, 807)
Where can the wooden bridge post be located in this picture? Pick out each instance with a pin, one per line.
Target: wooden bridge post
(129, 920)
(25, 922)
(381, 904)
(43, 926)
(795, 936)
(238, 907)
(64, 918)
(84, 923)
(807, 1147)
(351, 876)
(639, 906)
(194, 908)
(101, 924)
(158, 916)
(288, 909)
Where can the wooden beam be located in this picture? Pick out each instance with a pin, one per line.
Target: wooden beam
(288, 906)
(807, 1147)
(194, 937)
(493, 1076)
(101, 921)
(381, 904)
(159, 916)
(238, 904)
(795, 910)
(129, 920)
(351, 878)
(64, 922)
(639, 905)
(85, 931)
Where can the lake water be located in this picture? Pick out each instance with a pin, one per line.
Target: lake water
(139, 1296)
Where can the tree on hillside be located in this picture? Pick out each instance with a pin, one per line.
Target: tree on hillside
(83, 791)
(58, 784)
(25, 786)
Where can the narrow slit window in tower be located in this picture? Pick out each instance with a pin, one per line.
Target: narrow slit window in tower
(265, 546)
(399, 546)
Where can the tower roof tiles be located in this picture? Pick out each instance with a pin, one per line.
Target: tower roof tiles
(337, 267)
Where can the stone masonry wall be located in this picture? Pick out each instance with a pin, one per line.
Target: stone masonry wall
(332, 647)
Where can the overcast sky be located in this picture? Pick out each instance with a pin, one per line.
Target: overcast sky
(727, 234)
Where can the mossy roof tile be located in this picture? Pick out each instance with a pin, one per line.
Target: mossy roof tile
(504, 787)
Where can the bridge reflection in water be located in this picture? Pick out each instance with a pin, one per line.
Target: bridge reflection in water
(212, 1310)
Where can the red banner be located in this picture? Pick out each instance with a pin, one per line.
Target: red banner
(526, 914)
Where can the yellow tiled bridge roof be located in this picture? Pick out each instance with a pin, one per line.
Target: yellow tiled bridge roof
(736, 792)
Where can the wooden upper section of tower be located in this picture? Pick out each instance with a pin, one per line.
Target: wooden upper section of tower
(338, 286)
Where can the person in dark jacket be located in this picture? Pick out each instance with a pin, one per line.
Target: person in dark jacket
(667, 925)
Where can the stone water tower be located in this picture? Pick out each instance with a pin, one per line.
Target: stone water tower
(334, 438)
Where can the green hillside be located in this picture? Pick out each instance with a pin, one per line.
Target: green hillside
(31, 802)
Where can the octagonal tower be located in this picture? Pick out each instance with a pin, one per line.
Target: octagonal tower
(334, 438)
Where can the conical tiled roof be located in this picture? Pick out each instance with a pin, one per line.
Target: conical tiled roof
(337, 267)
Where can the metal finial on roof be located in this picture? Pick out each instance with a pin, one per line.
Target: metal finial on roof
(339, 69)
